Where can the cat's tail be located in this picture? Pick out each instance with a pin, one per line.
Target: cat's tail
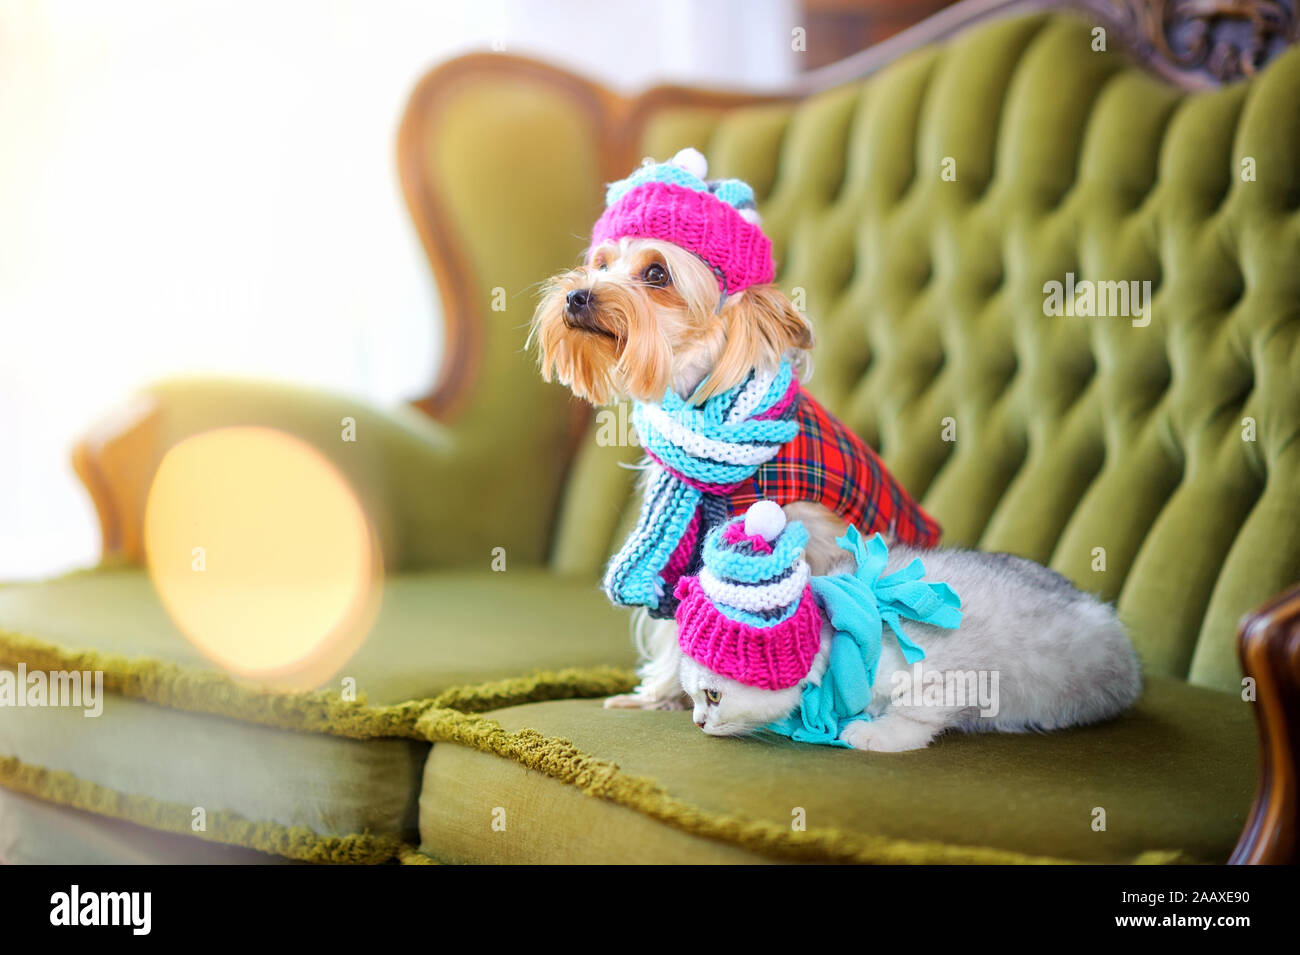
(1108, 678)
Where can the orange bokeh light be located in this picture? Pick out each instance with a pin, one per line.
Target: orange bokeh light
(262, 554)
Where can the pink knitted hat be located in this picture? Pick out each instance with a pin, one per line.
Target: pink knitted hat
(750, 614)
(716, 220)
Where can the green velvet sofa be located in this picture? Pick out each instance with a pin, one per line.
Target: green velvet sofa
(919, 198)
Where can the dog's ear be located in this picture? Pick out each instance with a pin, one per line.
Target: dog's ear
(776, 318)
(760, 325)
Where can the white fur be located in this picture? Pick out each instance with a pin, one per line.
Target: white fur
(1061, 658)
(660, 687)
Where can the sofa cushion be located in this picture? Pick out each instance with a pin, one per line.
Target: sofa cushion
(1174, 776)
(434, 631)
(36, 832)
(277, 781)
(307, 775)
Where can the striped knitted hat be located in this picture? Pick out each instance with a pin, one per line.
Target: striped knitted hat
(750, 614)
(715, 219)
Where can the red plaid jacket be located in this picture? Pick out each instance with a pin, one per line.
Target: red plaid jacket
(828, 463)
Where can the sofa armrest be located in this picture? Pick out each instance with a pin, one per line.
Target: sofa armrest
(1268, 644)
(405, 468)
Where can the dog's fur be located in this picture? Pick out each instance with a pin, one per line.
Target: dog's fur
(638, 339)
(654, 320)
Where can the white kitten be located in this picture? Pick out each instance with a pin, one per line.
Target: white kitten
(1033, 653)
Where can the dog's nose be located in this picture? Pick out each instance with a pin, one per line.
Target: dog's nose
(578, 301)
(700, 723)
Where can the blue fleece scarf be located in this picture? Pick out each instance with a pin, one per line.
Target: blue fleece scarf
(858, 605)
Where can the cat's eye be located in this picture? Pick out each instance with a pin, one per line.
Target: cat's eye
(655, 274)
(713, 696)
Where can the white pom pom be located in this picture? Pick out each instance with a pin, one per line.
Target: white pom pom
(765, 518)
(751, 216)
(693, 161)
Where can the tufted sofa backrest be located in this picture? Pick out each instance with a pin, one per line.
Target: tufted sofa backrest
(918, 217)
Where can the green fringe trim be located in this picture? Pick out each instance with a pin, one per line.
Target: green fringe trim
(599, 778)
(410, 855)
(320, 711)
(296, 842)
(449, 717)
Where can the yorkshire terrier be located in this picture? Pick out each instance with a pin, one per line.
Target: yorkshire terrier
(676, 303)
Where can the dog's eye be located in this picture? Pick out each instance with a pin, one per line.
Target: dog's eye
(713, 696)
(655, 274)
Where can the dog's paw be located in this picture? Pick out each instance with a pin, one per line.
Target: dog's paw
(641, 701)
(889, 734)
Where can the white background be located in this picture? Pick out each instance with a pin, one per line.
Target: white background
(209, 187)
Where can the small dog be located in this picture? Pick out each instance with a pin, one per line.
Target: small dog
(676, 301)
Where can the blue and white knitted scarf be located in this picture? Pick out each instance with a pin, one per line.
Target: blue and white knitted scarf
(700, 454)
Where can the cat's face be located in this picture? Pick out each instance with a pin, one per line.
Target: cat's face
(724, 707)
